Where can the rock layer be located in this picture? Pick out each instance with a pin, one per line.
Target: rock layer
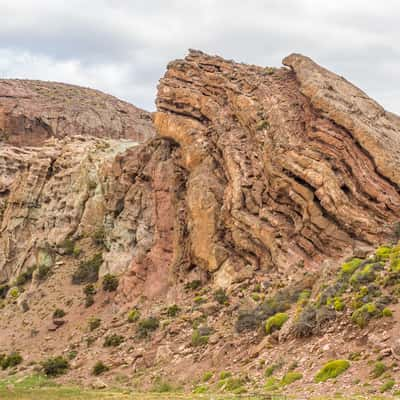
(284, 166)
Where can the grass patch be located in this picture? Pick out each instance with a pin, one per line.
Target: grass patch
(331, 370)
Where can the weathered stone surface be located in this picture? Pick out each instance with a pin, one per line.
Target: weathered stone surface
(33, 111)
(281, 168)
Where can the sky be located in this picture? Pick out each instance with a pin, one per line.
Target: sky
(122, 47)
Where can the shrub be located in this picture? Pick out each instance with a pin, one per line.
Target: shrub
(99, 236)
(12, 360)
(193, 285)
(199, 300)
(349, 267)
(110, 283)
(58, 313)
(331, 370)
(306, 322)
(207, 376)
(133, 315)
(230, 384)
(72, 354)
(263, 124)
(113, 340)
(68, 246)
(220, 296)
(387, 312)
(199, 339)
(387, 386)
(275, 322)
(14, 292)
(383, 253)
(88, 271)
(94, 323)
(362, 315)
(366, 275)
(55, 366)
(162, 386)
(25, 277)
(291, 377)
(379, 369)
(43, 273)
(324, 315)
(89, 290)
(173, 311)
(99, 368)
(146, 326)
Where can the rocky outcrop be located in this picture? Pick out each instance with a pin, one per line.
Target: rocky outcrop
(285, 166)
(255, 169)
(33, 111)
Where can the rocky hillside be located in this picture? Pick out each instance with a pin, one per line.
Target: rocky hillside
(249, 242)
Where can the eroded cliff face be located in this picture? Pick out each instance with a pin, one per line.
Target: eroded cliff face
(284, 165)
(58, 144)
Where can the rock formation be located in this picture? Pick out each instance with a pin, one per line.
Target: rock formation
(256, 178)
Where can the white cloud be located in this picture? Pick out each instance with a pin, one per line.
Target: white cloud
(123, 46)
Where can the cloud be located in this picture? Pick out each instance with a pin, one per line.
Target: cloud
(122, 47)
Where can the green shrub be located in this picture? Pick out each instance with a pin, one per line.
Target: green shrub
(199, 339)
(110, 283)
(94, 323)
(55, 366)
(72, 354)
(43, 273)
(162, 386)
(14, 292)
(199, 300)
(366, 275)
(25, 277)
(12, 360)
(207, 376)
(68, 245)
(387, 386)
(133, 315)
(349, 267)
(291, 377)
(88, 271)
(193, 285)
(383, 253)
(99, 368)
(173, 311)
(331, 370)
(387, 312)
(220, 296)
(113, 340)
(58, 313)
(200, 389)
(379, 369)
(146, 326)
(99, 237)
(362, 315)
(230, 384)
(275, 322)
(89, 290)
(263, 124)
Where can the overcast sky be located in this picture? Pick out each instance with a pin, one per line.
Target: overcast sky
(122, 47)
